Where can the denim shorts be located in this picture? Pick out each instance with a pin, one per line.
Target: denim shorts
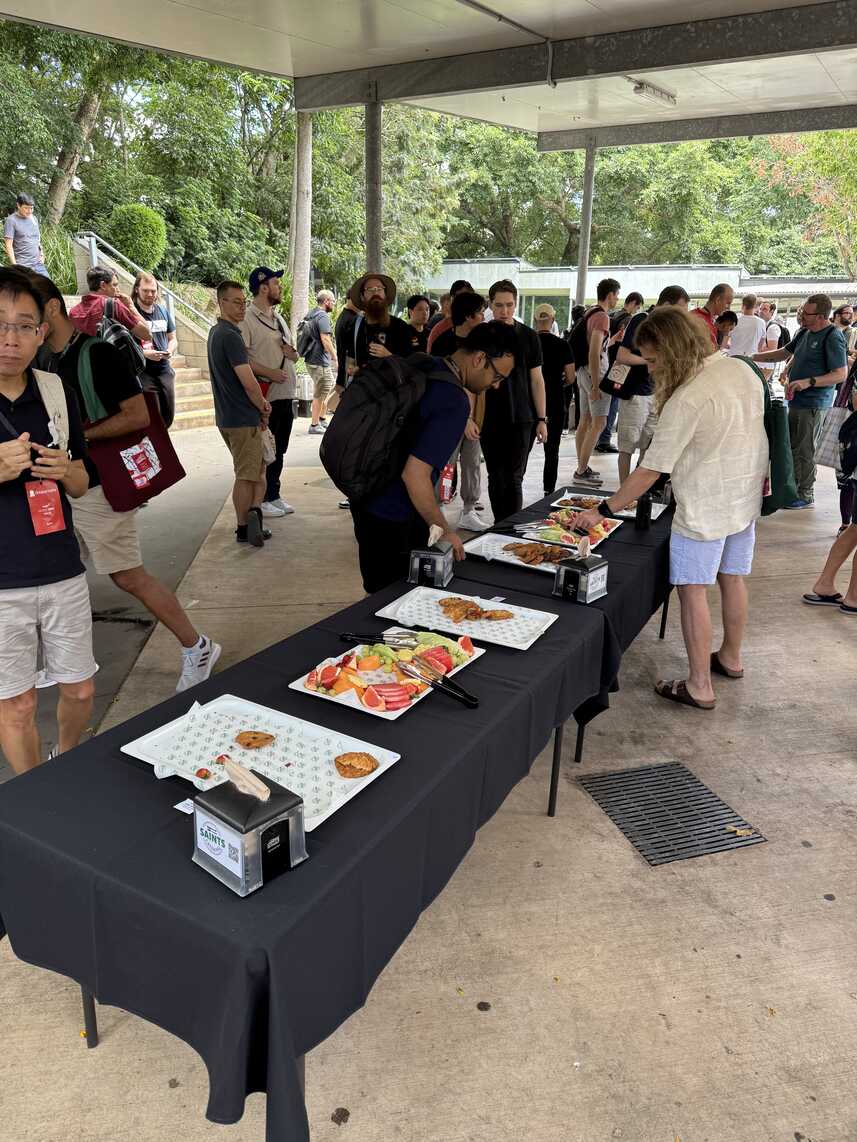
(700, 560)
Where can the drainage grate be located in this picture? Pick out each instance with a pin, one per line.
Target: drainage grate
(667, 813)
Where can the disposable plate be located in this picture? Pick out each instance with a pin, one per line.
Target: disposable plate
(626, 513)
(421, 608)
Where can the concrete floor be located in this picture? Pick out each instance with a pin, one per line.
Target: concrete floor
(712, 1000)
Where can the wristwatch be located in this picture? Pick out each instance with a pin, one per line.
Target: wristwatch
(603, 510)
(541, 419)
(812, 382)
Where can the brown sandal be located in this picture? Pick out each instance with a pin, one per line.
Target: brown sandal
(677, 691)
(717, 667)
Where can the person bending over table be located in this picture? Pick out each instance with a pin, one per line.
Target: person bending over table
(711, 437)
(394, 521)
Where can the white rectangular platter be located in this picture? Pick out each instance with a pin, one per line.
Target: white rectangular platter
(421, 608)
(625, 513)
(490, 546)
(300, 757)
(352, 701)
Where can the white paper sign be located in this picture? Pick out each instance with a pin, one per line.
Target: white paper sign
(220, 842)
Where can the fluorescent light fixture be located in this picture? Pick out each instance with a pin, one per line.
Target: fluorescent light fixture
(652, 92)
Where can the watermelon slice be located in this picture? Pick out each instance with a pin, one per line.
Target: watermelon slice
(439, 657)
(466, 644)
(312, 680)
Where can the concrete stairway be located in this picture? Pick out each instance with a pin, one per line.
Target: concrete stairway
(194, 404)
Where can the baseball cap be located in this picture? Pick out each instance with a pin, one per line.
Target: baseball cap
(262, 274)
(545, 310)
(24, 200)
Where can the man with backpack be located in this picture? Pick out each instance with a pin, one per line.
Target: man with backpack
(589, 340)
(105, 300)
(109, 538)
(318, 349)
(44, 599)
(819, 363)
(388, 443)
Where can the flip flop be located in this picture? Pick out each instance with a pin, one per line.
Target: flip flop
(815, 600)
(677, 691)
(717, 667)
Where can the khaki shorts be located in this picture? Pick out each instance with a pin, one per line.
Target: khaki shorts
(596, 405)
(245, 444)
(633, 414)
(323, 379)
(109, 540)
(57, 616)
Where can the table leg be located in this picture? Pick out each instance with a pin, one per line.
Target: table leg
(664, 612)
(578, 745)
(557, 759)
(301, 1064)
(90, 1020)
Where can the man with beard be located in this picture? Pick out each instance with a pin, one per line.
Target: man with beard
(378, 334)
(159, 376)
(272, 357)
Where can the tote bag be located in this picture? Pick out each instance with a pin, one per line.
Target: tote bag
(135, 467)
(827, 449)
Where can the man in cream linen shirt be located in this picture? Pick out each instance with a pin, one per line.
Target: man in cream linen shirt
(711, 438)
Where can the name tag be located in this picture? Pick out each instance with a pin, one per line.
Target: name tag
(43, 500)
(158, 326)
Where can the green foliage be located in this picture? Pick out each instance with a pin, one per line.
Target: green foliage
(59, 258)
(139, 232)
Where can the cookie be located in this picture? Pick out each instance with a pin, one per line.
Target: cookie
(253, 739)
(355, 764)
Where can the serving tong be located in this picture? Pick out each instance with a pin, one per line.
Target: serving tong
(396, 640)
(419, 668)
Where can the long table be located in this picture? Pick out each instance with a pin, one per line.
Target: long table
(96, 880)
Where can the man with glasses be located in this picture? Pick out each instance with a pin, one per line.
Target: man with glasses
(241, 412)
(377, 333)
(394, 521)
(819, 363)
(44, 599)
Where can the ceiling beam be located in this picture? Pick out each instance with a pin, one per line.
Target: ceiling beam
(748, 36)
(713, 127)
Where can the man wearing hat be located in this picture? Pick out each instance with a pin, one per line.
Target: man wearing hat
(23, 238)
(272, 359)
(378, 334)
(558, 372)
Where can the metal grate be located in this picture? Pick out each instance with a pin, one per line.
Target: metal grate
(667, 813)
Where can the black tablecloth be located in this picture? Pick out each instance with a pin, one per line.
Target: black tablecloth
(96, 880)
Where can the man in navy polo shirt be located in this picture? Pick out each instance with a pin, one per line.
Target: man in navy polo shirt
(390, 524)
(44, 599)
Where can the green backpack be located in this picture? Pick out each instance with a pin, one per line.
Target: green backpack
(780, 487)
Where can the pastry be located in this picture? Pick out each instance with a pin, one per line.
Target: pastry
(467, 610)
(253, 739)
(497, 616)
(355, 764)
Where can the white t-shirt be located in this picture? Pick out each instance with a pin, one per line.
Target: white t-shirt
(749, 331)
(711, 437)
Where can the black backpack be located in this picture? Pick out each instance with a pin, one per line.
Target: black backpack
(848, 447)
(366, 443)
(785, 336)
(122, 339)
(579, 342)
(306, 334)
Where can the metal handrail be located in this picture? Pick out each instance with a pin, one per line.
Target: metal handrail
(93, 241)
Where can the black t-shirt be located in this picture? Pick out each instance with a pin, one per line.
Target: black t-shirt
(513, 400)
(445, 344)
(343, 336)
(27, 559)
(421, 337)
(556, 354)
(638, 383)
(398, 337)
(113, 379)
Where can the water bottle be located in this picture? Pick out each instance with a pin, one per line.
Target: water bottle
(643, 516)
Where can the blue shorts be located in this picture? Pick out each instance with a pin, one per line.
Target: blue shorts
(700, 560)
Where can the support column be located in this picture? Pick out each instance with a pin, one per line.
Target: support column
(586, 219)
(301, 229)
(374, 199)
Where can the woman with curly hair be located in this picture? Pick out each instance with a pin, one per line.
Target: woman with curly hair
(711, 437)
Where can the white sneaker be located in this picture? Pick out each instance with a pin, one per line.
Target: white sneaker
(315, 430)
(198, 663)
(470, 521)
(285, 509)
(271, 508)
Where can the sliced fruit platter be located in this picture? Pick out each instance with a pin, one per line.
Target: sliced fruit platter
(558, 528)
(374, 677)
(581, 503)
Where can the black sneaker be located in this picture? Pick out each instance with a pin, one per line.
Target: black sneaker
(606, 448)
